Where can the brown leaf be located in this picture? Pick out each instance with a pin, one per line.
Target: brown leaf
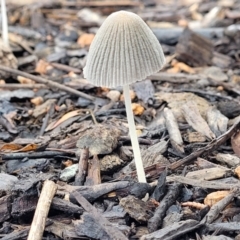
(37, 101)
(42, 67)
(237, 171)
(9, 147)
(85, 39)
(28, 148)
(24, 80)
(63, 119)
(137, 109)
(215, 197)
(235, 142)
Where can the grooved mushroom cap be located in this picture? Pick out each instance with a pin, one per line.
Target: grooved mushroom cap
(124, 51)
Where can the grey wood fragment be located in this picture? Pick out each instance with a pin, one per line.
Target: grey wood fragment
(217, 121)
(195, 120)
(202, 183)
(224, 226)
(219, 237)
(172, 231)
(136, 208)
(5, 208)
(228, 159)
(150, 156)
(209, 173)
(6, 183)
(156, 221)
(172, 218)
(173, 129)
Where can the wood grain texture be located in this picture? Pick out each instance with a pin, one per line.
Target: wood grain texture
(123, 51)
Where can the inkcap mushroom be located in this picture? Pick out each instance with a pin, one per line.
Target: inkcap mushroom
(124, 51)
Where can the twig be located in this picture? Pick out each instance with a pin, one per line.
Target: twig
(207, 149)
(46, 119)
(65, 67)
(47, 82)
(174, 77)
(95, 3)
(156, 221)
(82, 168)
(46, 154)
(43, 206)
(20, 85)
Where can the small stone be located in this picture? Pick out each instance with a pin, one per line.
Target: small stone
(69, 173)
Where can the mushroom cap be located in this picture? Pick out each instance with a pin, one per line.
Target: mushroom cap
(124, 51)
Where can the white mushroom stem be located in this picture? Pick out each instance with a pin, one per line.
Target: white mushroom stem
(4, 23)
(133, 136)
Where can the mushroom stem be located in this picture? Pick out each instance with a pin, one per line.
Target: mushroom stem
(133, 136)
(4, 23)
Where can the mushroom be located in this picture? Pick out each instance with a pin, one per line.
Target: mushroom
(124, 51)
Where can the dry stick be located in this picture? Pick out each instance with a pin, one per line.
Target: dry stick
(46, 119)
(50, 152)
(156, 221)
(47, 82)
(209, 148)
(43, 206)
(113, 232)
(65, 67)
(202, 183)
(94, 175)
(20, 85)
(82, 168)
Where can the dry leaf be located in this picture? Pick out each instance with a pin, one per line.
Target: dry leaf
(37, 101)
(182, 23)
(139, 132)
(237, 171)
(43, 108)
(132, 95)
(9, 147)
(113, 95)
(63, 119)
(137, 109)
(85, 39)
(42, 67)
(180, 66)
(24, 80)
(215, 197)
(67, 163)
(29, 147)
(235, 142)
(112, 194)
